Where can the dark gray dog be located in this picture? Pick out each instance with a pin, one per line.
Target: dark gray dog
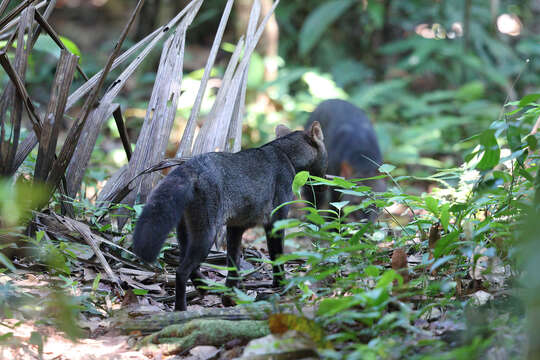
(238, 190)
(353, 151)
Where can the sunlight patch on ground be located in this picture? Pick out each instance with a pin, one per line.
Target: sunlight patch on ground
(56, 346)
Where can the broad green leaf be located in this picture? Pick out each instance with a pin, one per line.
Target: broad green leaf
(47, 44)
(285, 224)
(315, 218)
(528, 99)
(492, 152)
(503, 175)
(332, 306)
(445, 216)
(432, 205)
(322, 86)
(281, 323)
(379, 295)
(318, 21)
(349, 209)
(513, 136)
(256, 71)
(71, 46)
(386, 168)
(372, 270)
(441, 262)
(445, 244)
(339, 205)
(5, 337)
(532, 142)
(471, 91)
(7, 263)
(344, 183)
(289, 203)
(526, 175)
(299, 181)
(242, 297)
(387, 278)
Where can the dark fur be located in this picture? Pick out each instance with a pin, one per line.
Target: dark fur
(238, 190)
(349, 137)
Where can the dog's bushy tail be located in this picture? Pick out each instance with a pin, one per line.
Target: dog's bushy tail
(161, 213)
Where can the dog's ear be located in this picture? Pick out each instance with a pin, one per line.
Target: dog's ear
(282, 130)
(315, 132)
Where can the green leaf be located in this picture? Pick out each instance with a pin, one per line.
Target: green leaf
(445, 216)
(372, 271)
(242, 298)
(71, 46)
(96, 281)
(471, 91)
(526, 175)
(503, 175)
(339, 205)
(7, 263)
(228, 47)
(380, 295)
(532, 142)
(285, 224)
(349, 209)
(528, 99)
(445, 244)
(492, 152)
(47, 44)
(441, 261)
(256, 71)
(513, 136)
(315, 218)
(432, 205)
(387, 278)
(344, 183)
(386, 168)
(289, 203)
(333, 306)
(299, 181)
(318, 21)
(140, 291)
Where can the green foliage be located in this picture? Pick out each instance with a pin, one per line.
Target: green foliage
(480, 209)
(16, 202)
(436, 107)
(318, 21)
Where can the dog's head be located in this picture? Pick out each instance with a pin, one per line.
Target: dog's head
(305, 149)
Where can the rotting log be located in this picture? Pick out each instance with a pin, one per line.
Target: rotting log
(176, 339)
(127, 322)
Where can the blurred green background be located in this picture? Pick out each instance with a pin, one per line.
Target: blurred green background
(429, 73)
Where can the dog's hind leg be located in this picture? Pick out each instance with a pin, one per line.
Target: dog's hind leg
(234, 244)
(196, 276)
(195, 240)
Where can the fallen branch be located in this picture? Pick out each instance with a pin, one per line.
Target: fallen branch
(180, 338)
(154, 322)
(90, 239)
